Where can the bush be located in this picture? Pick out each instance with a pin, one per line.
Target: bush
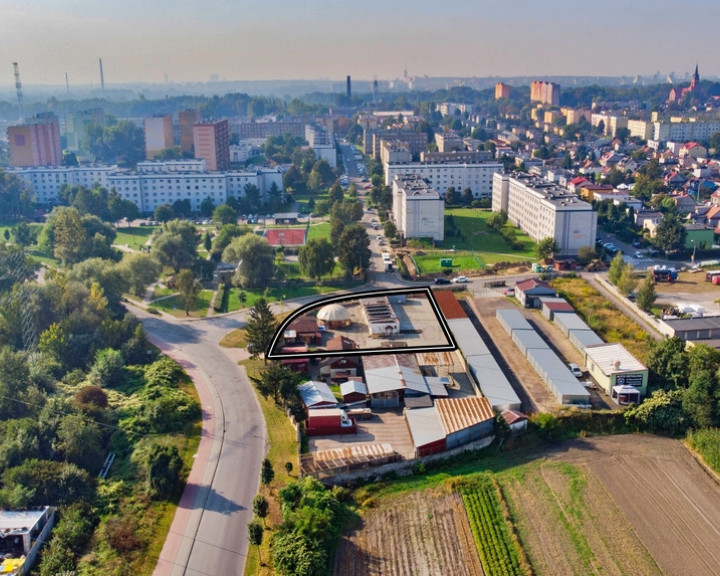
(121, 534)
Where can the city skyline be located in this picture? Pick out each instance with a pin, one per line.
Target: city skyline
(187, 42)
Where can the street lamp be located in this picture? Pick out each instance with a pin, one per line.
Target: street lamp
(692, 258)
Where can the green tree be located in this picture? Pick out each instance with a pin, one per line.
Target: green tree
(353, 249)
(124, 142)
(207, 241)
(140, 270)
(277, 381)
(627, 281)
(546, 248)
(337, 194)
(207, 206)
(390, 229)
(260, 328)
(176, 244)
(79, 441)
(261, 507)
(452, 196)
(670, 234)
(162, 465)
(252, 195)
(255, 536)
(668, 363)
(69, 236)
(267, 474)
(586, 254)
(700, 400)
(188, 287)
(255, 259)
(616, 269)
(662, 412)
(224, 214)
(316, 258)
(646, 295)
(164, 213)
(108, 371)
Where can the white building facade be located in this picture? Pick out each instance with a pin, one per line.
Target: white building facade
(542, 210)
(441, 176)
(418, 209)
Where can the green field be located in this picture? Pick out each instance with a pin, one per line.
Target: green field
(175, 307)
(472, 244)
(134, 237)
(321, 230)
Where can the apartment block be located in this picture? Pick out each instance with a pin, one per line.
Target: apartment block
(545, 92)
(322, 141)
(158, 135)
(186, 120)
(35, 143)
(417, 141)
(543, 209)
(394, 152)
(418, 210)
(45, 182)
(443, 175)
(502, 91)
(448, 141)
(212, 144)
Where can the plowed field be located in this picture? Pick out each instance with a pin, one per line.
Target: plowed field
(419, 534)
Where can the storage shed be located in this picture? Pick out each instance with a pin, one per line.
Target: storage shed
(529, 292)
(493, 383)
(354, 390)
(581, 339)
(567, 322)
(526, 339)
(516, 421)
(465, 419)
(511, 319)
(426, 430)
(317, 395)
(555, 373)
(612, 365)
(551, 306)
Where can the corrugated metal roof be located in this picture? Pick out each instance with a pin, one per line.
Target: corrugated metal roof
(434, 358)
(571, 322)
(353, 386)
(512, 318)
(529, 338)
(467, 337)
(585, 338)
(437, 385)
(449, 305)
(607, 355)
(393, 372)
(512, 416)
(493, 383)
(313, 393)
(425, 426)
(461, 413)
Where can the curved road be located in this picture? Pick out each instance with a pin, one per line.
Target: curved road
(208, 536)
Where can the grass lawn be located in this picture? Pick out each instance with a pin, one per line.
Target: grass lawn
(175, 307)
(321, 230)
(283, 447)
(44, 256)
(429, 262)
(135, 237)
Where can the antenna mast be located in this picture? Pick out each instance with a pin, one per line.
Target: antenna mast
(18, 88)
(102, 77)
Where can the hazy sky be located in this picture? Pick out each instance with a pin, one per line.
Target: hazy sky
(142, 40)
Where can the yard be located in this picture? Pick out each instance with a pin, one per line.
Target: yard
(135, 237)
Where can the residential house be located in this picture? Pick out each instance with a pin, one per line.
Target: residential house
(693, 149)
(530, 292)
(339, 367)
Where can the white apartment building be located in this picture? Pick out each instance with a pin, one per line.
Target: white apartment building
(154, 183)
(685, 129)
(441, 176)
(418, 210)
(640, 129)
(543, 210)
(45, 181)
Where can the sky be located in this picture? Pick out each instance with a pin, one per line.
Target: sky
(189, 40)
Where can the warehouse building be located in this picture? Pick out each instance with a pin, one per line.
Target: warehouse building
(612, 365)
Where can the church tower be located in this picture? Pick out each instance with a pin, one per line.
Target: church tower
(695, 82)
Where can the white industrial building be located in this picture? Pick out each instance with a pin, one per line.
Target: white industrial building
(478, 176)
(545, 210)
(154, 183)
(418, 210)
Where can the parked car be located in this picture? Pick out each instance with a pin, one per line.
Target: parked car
(575, 369)
(509, 292)
(460, 279)
(442, 280)
(639, 255)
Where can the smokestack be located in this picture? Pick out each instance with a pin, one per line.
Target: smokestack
(67, 83)
(102, 77)
(349, 88)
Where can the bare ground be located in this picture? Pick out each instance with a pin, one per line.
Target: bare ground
(419, 534)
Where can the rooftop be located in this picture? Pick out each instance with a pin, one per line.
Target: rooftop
(613, 358)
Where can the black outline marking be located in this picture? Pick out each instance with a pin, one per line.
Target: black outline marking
(270, 355)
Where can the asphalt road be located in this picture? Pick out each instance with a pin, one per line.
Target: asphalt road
(208, 536)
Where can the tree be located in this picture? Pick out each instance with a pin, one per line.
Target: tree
(108, 371)
(546, 248)
(277, 381)
(255, 259)
(207, 241)
(266, 472)
(670, 233)
(255, 536)
(260, 327)
(207, 206)
(662, 412)
(452, 196)
(162, 466)
(176, 244)
(124, 142)
(336, 192)
(627, 281)
(252, 195)
(224, 214)
(164, 213)
(69, 235)
(316, 258)
(188, 287)
(140, 270)
(616, 268)
(668, 363)
(22, 235)
(646, 295)
(288, 467)
(353, 249)
(182, 207)
(467, 197)
(79, 440)
(586, 254)
(700, 399)
(260, 506)
(390, 229)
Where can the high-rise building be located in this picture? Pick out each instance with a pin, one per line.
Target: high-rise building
(158, 135)
(186, 120)
(502, 91)
(75, 124)
(212, 144)
(545, 92)
(349, 88)
(35, 143)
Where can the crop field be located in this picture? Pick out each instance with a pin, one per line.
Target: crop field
(419, 533)
(629, 505)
